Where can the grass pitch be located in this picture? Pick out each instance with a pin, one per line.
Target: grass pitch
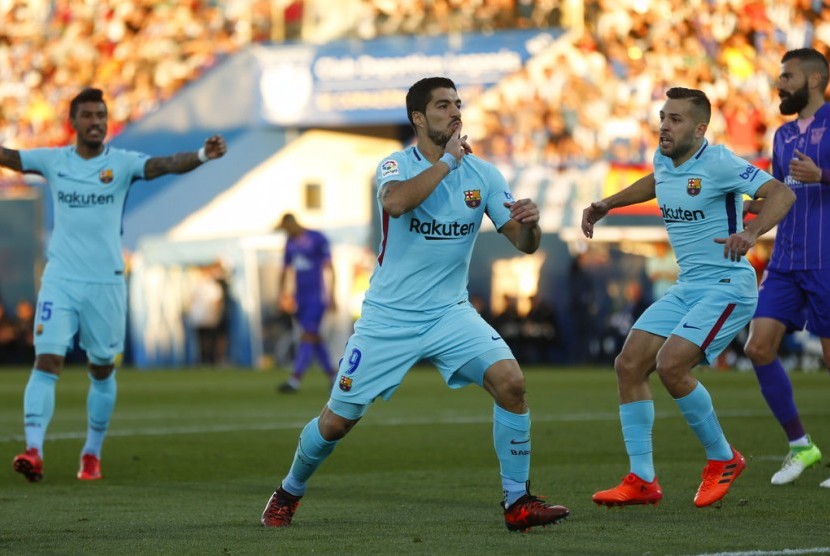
(192, 457)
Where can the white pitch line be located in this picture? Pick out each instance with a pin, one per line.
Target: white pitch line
(784, 552)
(390, 422)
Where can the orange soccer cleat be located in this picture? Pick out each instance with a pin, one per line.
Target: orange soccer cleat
(718, 476)
(29, 464)
(631, 491)
(90, 468)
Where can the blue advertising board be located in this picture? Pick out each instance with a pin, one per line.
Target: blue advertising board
(357, 83)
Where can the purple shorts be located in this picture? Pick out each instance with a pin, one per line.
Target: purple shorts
(310, 315)
(796, 298)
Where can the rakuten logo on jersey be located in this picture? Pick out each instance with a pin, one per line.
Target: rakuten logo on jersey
(76, 200)
(680, 214)
(435, 230)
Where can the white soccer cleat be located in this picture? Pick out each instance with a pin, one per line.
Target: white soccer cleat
(826, 483)
(796, 462)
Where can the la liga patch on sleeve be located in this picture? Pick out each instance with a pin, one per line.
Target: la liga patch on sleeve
(389, 168)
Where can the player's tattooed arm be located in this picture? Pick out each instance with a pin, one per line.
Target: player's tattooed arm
(180, 163)
(10, 158)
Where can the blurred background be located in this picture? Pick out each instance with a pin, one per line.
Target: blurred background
(562, 95)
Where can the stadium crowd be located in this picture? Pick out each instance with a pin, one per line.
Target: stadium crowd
(593, 98)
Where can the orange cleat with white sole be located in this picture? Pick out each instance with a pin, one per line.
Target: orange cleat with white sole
(718, 476)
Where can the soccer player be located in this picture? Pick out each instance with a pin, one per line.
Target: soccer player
(699, 188)
(433, 197)
(795, 288)
(308, 253)
(83, 289)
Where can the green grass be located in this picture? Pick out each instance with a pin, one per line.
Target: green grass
(193, 456)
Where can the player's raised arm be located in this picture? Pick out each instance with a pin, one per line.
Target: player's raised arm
(523, 227)
(399, 197)
(180, 163)
(640, 191)
(778, 198)
(10, 158)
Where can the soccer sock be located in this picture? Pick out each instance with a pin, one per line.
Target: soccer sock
(637, 420)
(778, 392)
(38, 407)
(699, 412)
(312, 450)
(803, 442)
(303, 359)
(511, 438)
(322, 353)
(100, 403)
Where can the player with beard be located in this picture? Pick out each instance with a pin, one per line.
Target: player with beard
(432, 198)
(699, 188)
(83, 289)
(795, 288)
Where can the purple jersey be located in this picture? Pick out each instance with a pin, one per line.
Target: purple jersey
(802, 241)
(308, 253)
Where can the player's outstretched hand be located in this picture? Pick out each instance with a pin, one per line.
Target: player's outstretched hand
(215, 147)
(591, 215)
(524, 211)
(736, 245)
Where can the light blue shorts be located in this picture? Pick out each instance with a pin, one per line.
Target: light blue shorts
(98, 312)
(708, 315)
(380, 353)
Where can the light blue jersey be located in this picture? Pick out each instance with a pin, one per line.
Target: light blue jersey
(88, 197)
(424, 257)
(701, 200)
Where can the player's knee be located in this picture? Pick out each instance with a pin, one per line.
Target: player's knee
(49, 363)
(628, 367)
(101, 371)
(760, 353)
(509, 391)
(675, 375)
(334, 426)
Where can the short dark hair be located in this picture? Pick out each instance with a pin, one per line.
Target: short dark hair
(813, 60)
(420, 94)
(699, 101)
(87, 95)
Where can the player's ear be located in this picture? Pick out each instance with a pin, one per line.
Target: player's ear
(417, 118)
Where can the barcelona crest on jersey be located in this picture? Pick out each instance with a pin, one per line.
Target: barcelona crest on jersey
(693, 186)
(106, 175)
(472, 198)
